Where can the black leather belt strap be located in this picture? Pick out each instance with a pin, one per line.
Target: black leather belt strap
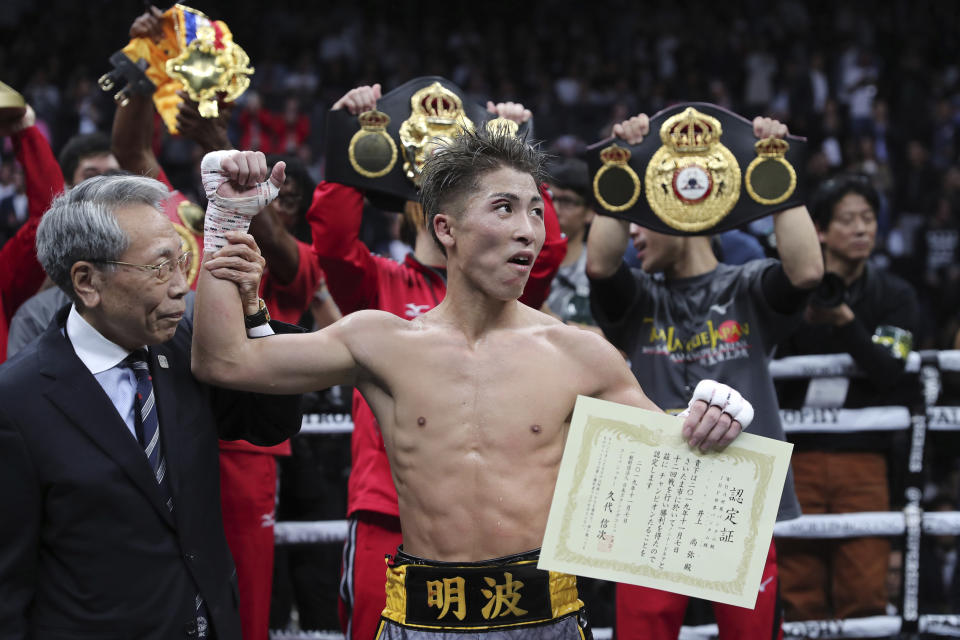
(382, 151)
(700, 171)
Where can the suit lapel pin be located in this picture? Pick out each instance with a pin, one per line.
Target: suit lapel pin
(163, 362)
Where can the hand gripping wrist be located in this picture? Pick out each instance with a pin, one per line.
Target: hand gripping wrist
(228, 214)
(729, 400)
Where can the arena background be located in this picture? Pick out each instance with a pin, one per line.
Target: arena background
(874, 86)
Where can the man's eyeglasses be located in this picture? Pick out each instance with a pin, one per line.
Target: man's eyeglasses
(162, 271)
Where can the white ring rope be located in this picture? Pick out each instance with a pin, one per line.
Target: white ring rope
(328, 423)
(837, 364)
(948, 360)
(939, 418)
(869, 627)
(810, 419)
(841, 364)
(833, 525)
(296, 532)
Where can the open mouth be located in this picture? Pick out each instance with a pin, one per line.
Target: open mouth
(522, 260)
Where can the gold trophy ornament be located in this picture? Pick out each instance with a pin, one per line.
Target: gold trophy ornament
(503, 125)
(692, 181)
(706, 172)
(382, 151)
(372, 152)
(436, 115)
(616, 186)
(194, 54)
(770, 179)
(191, 215)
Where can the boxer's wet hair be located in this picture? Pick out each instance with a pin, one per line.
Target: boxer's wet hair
(456, 167)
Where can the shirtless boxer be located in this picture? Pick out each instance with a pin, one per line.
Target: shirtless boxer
(474, 397)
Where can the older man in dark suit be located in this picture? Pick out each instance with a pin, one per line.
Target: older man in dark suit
(111, 524)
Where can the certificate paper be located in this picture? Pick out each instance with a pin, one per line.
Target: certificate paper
(635, 504)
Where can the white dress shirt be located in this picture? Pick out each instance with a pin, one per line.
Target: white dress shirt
(103, 357)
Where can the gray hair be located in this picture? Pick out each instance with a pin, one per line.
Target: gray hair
(81, 225)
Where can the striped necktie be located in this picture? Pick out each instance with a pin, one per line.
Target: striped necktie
(145, 413)
(148, 432)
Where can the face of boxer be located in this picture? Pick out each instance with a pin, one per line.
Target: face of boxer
(498, 233)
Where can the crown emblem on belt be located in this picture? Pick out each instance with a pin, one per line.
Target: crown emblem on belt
(690, 131)
(693, 180)
(615, 154)
(438, 104)
(770, 179)
(436, 116)
(771, 147)
(373, 120)
(372, 152)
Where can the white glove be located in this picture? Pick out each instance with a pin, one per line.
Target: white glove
(228, 214)
(728, 399)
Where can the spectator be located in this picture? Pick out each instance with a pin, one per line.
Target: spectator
(86, 155)
(939, 566)
(257, 124)
(680, 292)
(13, 207)
(20, 273)
(918, 183)
(872, 315)
(936, 252)
(569, 184)
(292, 128)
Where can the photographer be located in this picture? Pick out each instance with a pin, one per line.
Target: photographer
(870, 314)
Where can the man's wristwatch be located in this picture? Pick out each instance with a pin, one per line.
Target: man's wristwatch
(261, 317)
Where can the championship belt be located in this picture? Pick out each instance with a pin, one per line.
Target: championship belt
(194, 54)
(383, 151)
(700, 171)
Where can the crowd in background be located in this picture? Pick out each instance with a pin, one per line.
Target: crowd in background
(874, 87)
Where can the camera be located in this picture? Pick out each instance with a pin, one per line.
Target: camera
(831, 292)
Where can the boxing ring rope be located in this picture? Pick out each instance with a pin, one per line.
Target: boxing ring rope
(911, 523)
(846, 525)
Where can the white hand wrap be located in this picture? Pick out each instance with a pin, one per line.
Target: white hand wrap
(729, 400)
(228, 214)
